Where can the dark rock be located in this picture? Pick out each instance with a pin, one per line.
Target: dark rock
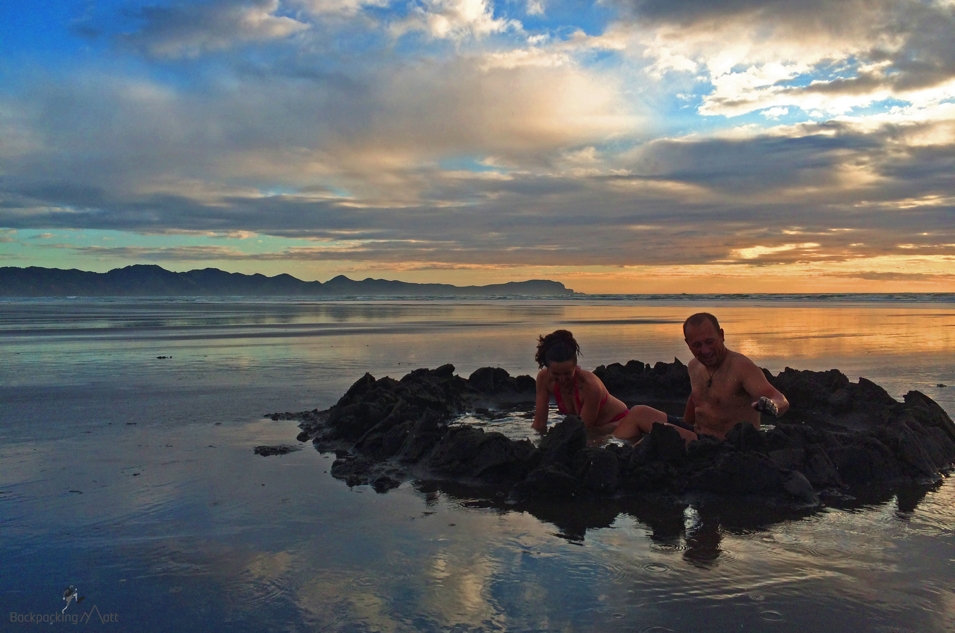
(938, 445)
(704, 447)
(819, 469)
(490, 379)
(909, 449)
(386, 438)
(353, 470)
(650, 477)
(637, 381)
(281, 449)
(796, 484)
(740, 473)
(422, 438)
(928, 412)
(864, 460)
(745, 437)
(384, 483)
(840, 401)
(354, 420)
(872, 397)
(662, 443)
(596, 469)
(357, 390)
(837, 435)
(809, 390)
(548, 481)
(562, 442)
(789, 458)
(472, 453)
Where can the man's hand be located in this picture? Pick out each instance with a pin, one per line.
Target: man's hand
(766, 405)
(540, 428)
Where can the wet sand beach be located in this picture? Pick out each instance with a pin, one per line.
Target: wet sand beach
(127, 470)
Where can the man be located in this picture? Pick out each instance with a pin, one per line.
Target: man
(726, 388)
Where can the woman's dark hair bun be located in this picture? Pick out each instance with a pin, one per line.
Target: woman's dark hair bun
(556, 347)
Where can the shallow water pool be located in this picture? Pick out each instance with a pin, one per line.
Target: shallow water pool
(132, 477)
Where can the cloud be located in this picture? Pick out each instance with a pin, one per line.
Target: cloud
(372, 188)
(328, 8)
(453, 19)
(869, 275)
(480, 144)
(139, 149)
(543, 51)
(535, 7)
(755, 252)
(775, 113)
(824, 56)
(191, 30)
(760, 164)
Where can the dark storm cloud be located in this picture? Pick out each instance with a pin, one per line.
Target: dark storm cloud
(752, 164)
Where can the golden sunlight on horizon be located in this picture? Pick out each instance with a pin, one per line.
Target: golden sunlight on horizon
(888, 274)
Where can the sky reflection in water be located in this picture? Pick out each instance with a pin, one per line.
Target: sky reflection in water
(176, 524)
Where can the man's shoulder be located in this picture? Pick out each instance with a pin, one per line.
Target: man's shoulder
(742, 364)
(739, 360)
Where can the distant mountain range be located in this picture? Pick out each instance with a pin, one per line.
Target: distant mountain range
(155, 281)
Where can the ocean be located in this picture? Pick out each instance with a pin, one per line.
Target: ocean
(127, 429)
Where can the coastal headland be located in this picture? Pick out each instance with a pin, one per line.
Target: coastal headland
(839, 438)
(154, 281)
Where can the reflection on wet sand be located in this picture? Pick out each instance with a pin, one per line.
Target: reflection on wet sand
(177, 525)
(695, 528)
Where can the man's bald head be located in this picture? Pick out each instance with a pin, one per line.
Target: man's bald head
(700, 318)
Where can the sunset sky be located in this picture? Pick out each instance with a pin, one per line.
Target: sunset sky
(616, 146)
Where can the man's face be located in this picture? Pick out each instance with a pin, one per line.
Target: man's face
(706, 343)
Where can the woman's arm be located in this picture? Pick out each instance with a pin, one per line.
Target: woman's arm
(542, 402)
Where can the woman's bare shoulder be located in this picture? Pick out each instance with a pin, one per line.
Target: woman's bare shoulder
(589, 378)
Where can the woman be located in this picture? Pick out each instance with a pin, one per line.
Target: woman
(579, 392)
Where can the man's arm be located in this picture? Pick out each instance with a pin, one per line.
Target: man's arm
(766, 398)
(542, 403)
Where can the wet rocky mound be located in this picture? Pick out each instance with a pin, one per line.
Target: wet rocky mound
(837, 436)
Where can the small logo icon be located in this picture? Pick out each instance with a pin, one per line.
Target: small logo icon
(70, 594)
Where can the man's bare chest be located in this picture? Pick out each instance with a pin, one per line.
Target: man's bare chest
(720, 392)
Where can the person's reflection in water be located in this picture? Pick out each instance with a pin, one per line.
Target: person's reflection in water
(665, 520)
(703, 538)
